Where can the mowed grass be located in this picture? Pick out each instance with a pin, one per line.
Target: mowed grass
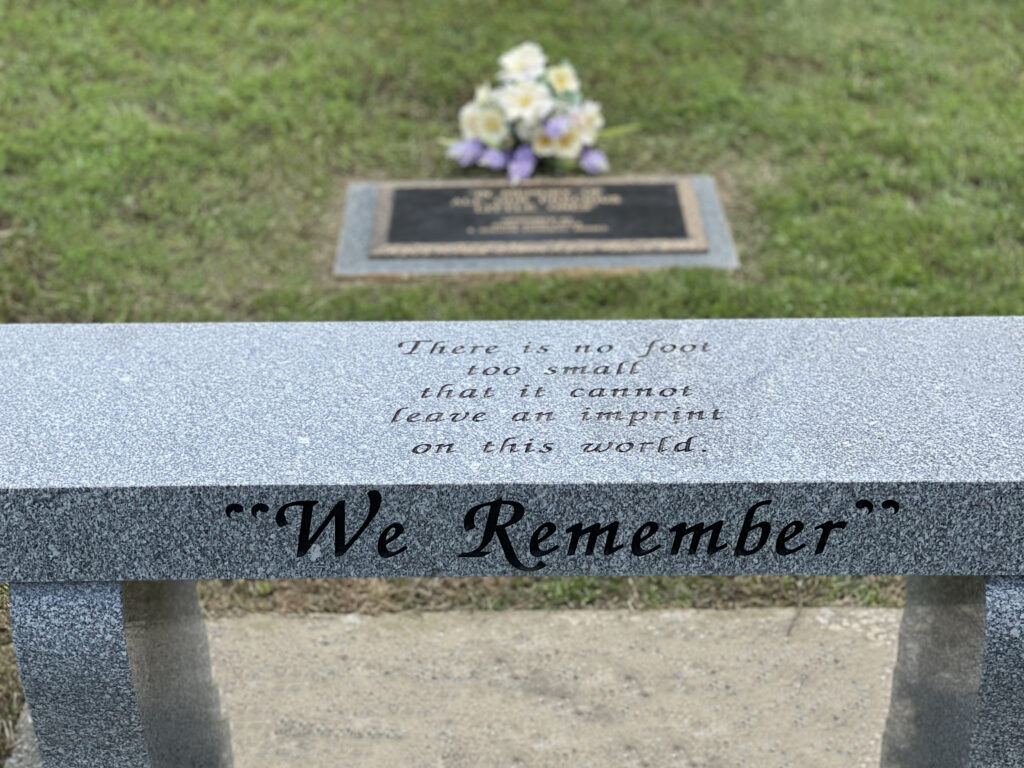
(166, 161)
(186, 160)
(374, 596)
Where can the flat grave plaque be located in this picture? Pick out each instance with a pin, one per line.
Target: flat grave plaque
(485, 225)
(580, 216)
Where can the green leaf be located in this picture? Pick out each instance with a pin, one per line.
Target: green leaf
(620, 130)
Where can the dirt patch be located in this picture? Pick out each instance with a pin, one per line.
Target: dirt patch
(766, 687)
(382, 596)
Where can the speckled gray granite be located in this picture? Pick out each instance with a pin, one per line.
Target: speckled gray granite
(934, 704)
(352, 258)
(171, 452)
(998, 739)
(73, 662)
(117, 675)
(391, 449)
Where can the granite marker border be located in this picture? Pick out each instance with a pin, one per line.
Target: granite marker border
(352, 257)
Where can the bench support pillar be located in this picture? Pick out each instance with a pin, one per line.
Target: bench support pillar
(958, 688)
(118, 675)
(998, 740)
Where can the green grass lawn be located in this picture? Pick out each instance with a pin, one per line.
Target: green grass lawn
(187, 161)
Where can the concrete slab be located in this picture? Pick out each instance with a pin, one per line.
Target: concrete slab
(769, 687)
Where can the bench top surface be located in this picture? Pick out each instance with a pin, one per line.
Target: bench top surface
(828, 400)
(476, 448)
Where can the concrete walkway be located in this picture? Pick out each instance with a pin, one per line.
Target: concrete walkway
(715, 689)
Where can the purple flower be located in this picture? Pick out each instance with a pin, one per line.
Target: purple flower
(522, 165)
(467, 152)
(556, 127)
(494, 159)
(593, 160)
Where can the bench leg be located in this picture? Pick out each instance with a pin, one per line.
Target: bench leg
(118, 675)
(938, 667)
(998, 739)
(958, 687)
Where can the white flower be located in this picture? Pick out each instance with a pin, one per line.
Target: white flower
(482, 118)
(524, 62)
(589, 121)
(527, 130)
(544, 145)
(492, 128)
(563, 78)
(469, 120)
(568, 145)
(527, 100)
(483, 94)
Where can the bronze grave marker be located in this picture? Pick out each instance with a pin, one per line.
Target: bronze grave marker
(546, 216)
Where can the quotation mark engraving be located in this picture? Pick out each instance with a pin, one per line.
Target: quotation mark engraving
(237, 508)
(889, 504)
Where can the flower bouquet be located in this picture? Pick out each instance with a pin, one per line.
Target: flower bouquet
(535, 115)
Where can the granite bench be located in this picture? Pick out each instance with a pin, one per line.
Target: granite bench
(135, 459)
